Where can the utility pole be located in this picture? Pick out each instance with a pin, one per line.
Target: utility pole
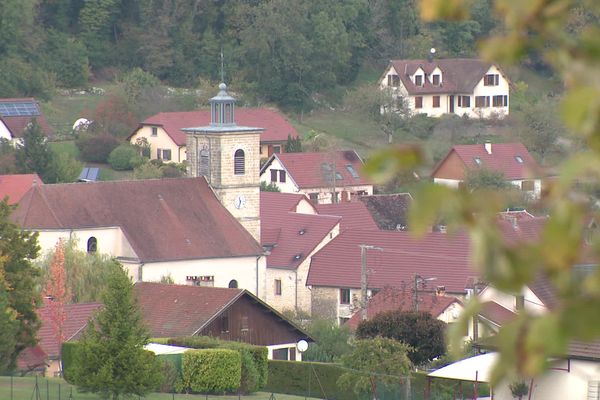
(363, 278)
(419, 279)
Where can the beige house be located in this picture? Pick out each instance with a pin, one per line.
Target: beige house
(327, 177)
(435, 87)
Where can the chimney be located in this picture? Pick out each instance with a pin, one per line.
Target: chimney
(488, 147)
(431, 54)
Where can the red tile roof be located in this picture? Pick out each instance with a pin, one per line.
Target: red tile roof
(293, 236)
(17, 124)
(443, 256)
(391, 299)
(277, 203)
(355, 215)
(306, 169)
(459, 75)
(162, 219)
(31, 359)
(77, 317)
(15, 186)
(503, 158)
(496, 313)
(276, 126)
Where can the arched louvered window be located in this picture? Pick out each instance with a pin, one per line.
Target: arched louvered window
(92, 245)
(233, 284)
(239, 162)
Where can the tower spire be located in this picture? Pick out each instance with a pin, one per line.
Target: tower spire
(222, 67)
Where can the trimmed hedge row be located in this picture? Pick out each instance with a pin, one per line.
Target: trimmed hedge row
(68, 350)
(215, 371)
(254, 359)
(292, 377)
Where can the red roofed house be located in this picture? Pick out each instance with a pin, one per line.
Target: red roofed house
(15, 186)
(335, 271)
(168, 142)
(155, 228)
(228, 314)
(444, 308)
(323, 177)
(355, 214)
(459, 86)
(77, 317)
(17, 114)
(511, 159)
(291, 238)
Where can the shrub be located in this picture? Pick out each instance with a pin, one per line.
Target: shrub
(171, 372)
(96, 148)
(125, 157)
(68, 351)
(211, 371)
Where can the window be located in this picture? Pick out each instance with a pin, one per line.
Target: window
(477, 160)
(419, 80)
(519, 159)
(166, 155)
(239, 167)
(435, 80)
(419, 102)
(482, 101)
(464, 101)
(282, 176)
(491, 80)
(436, 101)
(344, 296)
(352, 171)
(92, 245)
(244, 324)
(273, 175)
(224, 323)
(278, 287)
(280, 354)
(204, 169)
(233, 284)
(500, 101)
(276, 149)
(528, 186)
(154, 131)
(314, 197)
(393, 80)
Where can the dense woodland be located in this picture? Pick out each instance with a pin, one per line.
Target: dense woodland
(277, 51)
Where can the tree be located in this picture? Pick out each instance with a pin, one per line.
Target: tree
(34, 155)
(269, 187)
(373, 361)
(64, 168)
(18, 278)
(331, 341)
(293, 145)
(486, 179)
(110, 359)
(420, 330)
(56, 293)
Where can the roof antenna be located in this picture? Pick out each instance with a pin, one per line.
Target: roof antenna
(222, 67)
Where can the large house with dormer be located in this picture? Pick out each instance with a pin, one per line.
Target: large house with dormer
(459, 86)
(17, 114)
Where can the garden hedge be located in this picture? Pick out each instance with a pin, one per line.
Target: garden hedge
(215, 371)
(68, 350)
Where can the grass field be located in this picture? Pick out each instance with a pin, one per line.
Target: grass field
(58, 389)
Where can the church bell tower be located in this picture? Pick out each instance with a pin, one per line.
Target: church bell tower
(227, 155)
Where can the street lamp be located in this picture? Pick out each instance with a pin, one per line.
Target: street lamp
(420, 280)
(302, 346)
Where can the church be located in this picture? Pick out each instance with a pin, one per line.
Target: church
(202, 230)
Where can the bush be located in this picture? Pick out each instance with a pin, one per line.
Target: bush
(291, 377)
(68, 351)
(125, 157)
(171, 372)
(96, 148)
(215, 371)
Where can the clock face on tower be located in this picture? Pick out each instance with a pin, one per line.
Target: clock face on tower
(239, 201)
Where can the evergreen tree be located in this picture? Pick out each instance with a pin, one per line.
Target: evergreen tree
(293, 145)
(111, 360)
(18, 294)
(34, 155)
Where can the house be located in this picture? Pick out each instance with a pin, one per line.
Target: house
(76, 319)
(17, 114)
(458, 86)
(15, 186)
(512, 160)
(445, 308)
(290, 239)
(168, 142)
(224, 313)
(155, 228)
(327, 177)
(391, 258)
(390, 211)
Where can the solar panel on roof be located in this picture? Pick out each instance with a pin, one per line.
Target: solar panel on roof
(19, 109)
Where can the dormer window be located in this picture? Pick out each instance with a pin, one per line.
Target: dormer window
(419, 80)
(435, 80)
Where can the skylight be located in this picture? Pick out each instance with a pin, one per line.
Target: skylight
(477, 160)
(519, 159)
(352, 171)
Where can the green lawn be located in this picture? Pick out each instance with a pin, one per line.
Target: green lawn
(24, 389)
(65, 146)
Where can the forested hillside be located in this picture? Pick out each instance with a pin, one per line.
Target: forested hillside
(278, 51)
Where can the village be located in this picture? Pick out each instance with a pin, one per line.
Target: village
(231, 248)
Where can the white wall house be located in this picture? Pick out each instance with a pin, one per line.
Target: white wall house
(436, 87)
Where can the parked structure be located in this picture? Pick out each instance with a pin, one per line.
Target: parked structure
(458, 86)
